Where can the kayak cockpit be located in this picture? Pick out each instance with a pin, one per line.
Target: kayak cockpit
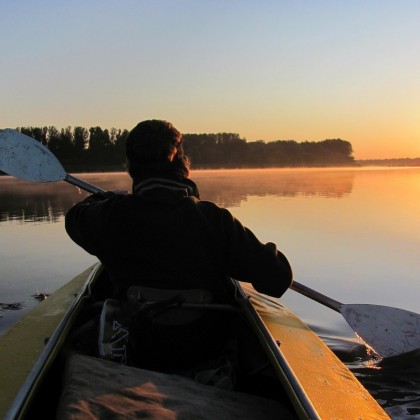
(216, 367)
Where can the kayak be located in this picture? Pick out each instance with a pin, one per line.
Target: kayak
(279, 368)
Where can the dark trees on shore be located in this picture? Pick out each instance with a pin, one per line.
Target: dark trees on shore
(94, 149)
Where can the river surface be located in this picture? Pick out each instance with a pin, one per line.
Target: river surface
(352, 234)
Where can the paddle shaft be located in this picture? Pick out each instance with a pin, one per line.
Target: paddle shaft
(318, 297)
(82, 184)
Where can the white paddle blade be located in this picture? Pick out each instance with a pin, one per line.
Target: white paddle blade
(26, 158)
(389, 331)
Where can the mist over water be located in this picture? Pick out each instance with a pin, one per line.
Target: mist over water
(352, 234)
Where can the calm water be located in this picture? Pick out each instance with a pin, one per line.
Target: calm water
(352, 234)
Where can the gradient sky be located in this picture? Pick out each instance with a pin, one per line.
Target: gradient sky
(268, 70)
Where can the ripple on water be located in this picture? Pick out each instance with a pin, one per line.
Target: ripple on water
(394, 382)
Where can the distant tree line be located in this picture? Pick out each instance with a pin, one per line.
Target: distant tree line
(82, 148)
(95, 149)
(229, 150)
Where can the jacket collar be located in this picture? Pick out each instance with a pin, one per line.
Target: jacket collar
(184, 186)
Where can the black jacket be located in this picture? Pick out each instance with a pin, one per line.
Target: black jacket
(164, 236)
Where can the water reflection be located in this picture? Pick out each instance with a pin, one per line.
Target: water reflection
(22, 202)
(27, 202)
(231, 187)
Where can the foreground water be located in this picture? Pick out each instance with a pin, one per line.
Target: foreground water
(352, 234)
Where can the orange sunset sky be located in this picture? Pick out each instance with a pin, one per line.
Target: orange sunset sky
(268, 70)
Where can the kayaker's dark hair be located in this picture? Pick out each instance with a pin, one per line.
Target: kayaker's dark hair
(154, 148)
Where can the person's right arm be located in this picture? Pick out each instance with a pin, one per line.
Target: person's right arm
(249, 260)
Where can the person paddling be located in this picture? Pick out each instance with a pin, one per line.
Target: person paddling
(162, 235)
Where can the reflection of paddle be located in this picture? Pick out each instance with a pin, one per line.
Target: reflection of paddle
(27, 159)
(389, 331)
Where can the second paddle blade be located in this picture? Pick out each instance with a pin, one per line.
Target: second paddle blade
(389, 331)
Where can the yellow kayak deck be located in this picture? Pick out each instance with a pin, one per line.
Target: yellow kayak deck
(332, 389)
